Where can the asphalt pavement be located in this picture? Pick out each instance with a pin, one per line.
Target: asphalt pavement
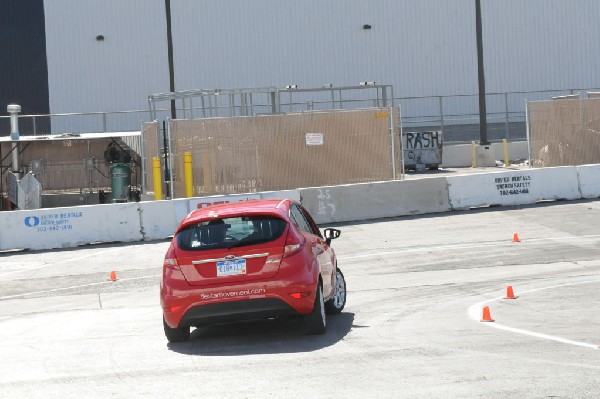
(411, 328)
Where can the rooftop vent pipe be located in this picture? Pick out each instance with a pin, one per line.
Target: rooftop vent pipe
(13, 110)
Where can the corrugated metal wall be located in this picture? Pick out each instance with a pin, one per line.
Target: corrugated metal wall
(421, 47)
(541, 44)
(87, 75)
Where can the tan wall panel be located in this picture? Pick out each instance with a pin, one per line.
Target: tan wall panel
(269, 152)
(565, 132)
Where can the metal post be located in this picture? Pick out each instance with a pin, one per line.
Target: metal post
(217, 104)
(333, 99)
(34, 125)
(392, 149)
(157, 180)
(203, 106)
(143, 157)
(187, 174)
(170, 157)
(104, 122)
(272, 98)
(402, 171)
(506, 115)
(170, 57)
(13, 110)
(243, 106)
(483, 140)
(441, 113)
(527, 132)
(152, 109)
(167, 177)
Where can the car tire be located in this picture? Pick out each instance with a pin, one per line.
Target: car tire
(336, 303)
(316, 321)
(179, 334)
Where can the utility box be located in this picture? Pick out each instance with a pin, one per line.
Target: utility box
(422, 150)
(486, 156)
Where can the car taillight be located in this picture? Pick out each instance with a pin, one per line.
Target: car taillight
(170, 261)
(293, 242)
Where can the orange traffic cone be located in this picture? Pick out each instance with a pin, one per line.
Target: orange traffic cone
(113, 276)
(509, 293)
(486, 314)
(516, 237)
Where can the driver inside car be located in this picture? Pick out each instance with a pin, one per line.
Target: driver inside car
(216, 232)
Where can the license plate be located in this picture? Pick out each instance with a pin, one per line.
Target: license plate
(231, 267)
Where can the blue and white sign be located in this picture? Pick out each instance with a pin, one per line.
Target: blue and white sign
(52, 222)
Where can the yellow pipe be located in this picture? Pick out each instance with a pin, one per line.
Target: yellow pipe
(473, 155)
(187, 174)
(157, 178)
(505, 145)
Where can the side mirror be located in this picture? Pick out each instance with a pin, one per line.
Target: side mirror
(331, 234)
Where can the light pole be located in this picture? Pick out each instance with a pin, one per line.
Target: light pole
(170, 57)
(483, 139)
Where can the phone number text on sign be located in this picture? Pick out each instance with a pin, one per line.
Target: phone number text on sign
(52, 222)
(513, 185)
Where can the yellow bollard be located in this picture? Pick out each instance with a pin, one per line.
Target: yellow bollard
(473, 155)
(505, 145)
(187, 174)
(157, 178)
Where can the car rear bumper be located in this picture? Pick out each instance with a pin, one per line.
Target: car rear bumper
(200, 307)
(224, 312)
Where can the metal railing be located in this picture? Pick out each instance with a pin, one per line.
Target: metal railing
(456, 115)
(269, 100)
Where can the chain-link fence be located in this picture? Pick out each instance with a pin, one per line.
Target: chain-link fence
(564, 132)
(276, 152)
(67, 165)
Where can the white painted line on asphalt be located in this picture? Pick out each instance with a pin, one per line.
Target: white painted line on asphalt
(48, 264)
(75, 287)
(475, 312)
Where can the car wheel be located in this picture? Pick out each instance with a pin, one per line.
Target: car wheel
(180, 334)
(337, 302)
(316, 321)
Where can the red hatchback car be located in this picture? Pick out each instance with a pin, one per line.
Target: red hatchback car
(249, 260)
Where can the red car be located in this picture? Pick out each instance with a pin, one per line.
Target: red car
(250, 260)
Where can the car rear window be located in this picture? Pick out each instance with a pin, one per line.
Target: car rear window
(230, 232)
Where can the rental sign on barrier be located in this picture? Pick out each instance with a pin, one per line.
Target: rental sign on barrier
(513, 187)
(69, 227)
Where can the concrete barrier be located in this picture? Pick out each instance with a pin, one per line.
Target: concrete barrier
(159, 219)
(376, 200)
(513, 187)
(203, 202)
(285, 194)
(73, 226)
(69, 227)
(459, 155)
(589, 180)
